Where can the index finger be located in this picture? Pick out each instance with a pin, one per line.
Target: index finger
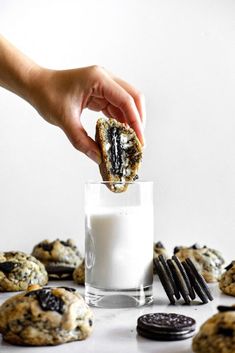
(120, 98)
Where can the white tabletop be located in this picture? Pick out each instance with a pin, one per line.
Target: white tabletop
(115, 329)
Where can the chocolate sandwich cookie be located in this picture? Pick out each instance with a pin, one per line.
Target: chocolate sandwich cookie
(185, 277)
(166, 327)
(169, 276)
(45, 316)
(59, 257)
(209, 262)
(166, 283)
(121, 153)
(179, 280)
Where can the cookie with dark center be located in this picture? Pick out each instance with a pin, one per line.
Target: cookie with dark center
(60, 257)
(164, 280)
(18, 270)
(166, 326)
(121, 153)
(47, 300)
(45, 316)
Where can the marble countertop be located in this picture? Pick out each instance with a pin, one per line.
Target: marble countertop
(115, 329)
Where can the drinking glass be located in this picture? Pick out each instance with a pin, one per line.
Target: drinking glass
(118, 245)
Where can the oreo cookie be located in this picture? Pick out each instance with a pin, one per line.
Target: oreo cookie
(181, 279)
(166, 327)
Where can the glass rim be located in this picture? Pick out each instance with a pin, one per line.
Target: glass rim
(105, 182)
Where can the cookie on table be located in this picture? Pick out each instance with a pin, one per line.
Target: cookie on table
(79, 274)
(45, 316)
(59, 257)
(18, 270)
(217, 334)
(121, 153)
(227, 280)
(166, 326)
(208, 262)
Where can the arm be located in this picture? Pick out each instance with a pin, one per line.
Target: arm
(60, 96)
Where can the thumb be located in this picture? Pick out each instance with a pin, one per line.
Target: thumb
(82, 142)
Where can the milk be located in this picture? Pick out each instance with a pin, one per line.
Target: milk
(119, 247)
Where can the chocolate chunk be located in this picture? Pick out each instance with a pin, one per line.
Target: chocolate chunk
(90, 322)
(7, 266)
(159, 245)
(46, 246)
(195, 246)
(177, 249)
(228, 332)
(227, 268)
(47, 300)
(224, 308)
(65, 243)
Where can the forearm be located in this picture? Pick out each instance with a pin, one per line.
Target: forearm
(17, 71)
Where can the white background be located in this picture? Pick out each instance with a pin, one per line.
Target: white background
(181, 55)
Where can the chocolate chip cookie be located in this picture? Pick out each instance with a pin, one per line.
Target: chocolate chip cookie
(121, 153)
(79, 273)
(208, 262)
(227, 280)
(45, 316)
(59, 257)
(18, 270)
(217, 334)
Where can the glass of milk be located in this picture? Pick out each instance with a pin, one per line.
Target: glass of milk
(118, 245)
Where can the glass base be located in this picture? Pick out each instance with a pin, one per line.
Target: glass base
(117, 298)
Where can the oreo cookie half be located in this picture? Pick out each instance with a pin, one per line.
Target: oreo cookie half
(166, 327)
(59, 272)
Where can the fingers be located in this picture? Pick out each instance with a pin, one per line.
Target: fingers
(136, 95)
(121, 99)
(81, 141)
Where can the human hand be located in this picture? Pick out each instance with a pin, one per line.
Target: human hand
(61, 96)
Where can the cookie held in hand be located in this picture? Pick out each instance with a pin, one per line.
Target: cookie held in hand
(45, 316)
(121, 153)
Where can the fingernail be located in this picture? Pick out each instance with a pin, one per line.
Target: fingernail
(94, 156)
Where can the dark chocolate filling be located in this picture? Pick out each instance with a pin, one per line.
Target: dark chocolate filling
(7, 266)
(116, 154)
(228, 332)
(47, 300)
